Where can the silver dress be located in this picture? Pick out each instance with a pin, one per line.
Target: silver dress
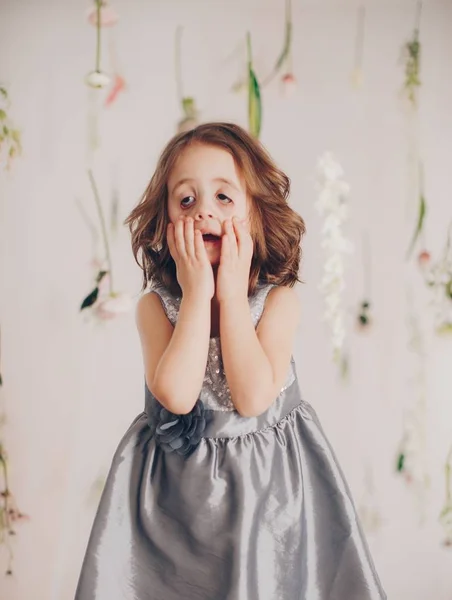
(260, 510)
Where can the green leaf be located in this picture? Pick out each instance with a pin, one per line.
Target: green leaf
(254, 105)
(100, 276)
(189, 107)
(90, 299)
(254, 97)
(400, 462)
(2, 114)
(419, 225)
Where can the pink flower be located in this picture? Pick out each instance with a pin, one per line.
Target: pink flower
(118, 85)
(424, 258)
(112, 306)
(108, 16)
(289, 84)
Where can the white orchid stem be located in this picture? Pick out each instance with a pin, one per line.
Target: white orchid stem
(103, 228)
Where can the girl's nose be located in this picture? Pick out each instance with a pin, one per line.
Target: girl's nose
(203, 215)
(203, 209)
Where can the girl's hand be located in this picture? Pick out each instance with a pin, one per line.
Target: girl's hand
(193, 268)
(235, 261)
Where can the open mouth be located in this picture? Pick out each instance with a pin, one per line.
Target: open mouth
(209, 237)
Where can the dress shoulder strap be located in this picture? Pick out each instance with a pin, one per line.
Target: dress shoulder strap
(170, 303)
(257, 301)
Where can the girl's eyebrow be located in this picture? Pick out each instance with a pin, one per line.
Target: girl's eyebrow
(227, 182)
(215, 180)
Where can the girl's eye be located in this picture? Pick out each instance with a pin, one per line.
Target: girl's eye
(187, 202)
(224, 199)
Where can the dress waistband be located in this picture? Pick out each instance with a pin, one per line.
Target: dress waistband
(229, 424)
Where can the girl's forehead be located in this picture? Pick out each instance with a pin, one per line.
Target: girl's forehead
(200, 162)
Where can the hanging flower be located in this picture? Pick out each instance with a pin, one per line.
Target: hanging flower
(285, 57)
(97, 78)
(412, 56)
(254, 97)
(438, 277)
(368, 509)
(424, 259)
(190, 119)
(332, 204)
(364, 317)
(119, 85)
(108, 16)
(289, 84)
(411, 460)
(445, 517)
(10, 515)
(10, 137)
(103, 301)
(112, 306)
(422, 213)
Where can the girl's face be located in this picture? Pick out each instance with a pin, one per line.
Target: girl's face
(206, 185)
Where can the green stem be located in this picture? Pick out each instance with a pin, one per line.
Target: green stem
(178, 65)
(359, 43)
(286, 53)
(418, 16)
(448, 470)
(6, 507)
(98, 27)
(248, 47)
(103, 228)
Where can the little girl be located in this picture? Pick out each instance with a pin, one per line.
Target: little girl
(225, 487)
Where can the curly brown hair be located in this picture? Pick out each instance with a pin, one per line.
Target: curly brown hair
(276, 228)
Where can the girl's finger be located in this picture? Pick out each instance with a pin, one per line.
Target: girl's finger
(200, 249)
(179, 237)
(171, 241)
(225, 252)
(189, 236)
(232, 240)
(243, 237)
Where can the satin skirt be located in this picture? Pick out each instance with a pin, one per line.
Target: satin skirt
(260, 511)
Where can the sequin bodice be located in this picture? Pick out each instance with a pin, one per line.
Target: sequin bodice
(215, 390)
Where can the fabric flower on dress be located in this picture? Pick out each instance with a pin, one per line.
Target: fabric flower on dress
(179, 433)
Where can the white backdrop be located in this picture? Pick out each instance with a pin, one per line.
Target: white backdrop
(71, 388)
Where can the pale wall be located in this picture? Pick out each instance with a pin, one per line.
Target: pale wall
(71, 389)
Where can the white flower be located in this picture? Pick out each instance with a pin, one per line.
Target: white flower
(329, 168)
(332, 205)
(97, 79)
(112, 306)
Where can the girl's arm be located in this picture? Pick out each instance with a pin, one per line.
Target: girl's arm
(175, 360)
(174, 357)
(256, 361)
